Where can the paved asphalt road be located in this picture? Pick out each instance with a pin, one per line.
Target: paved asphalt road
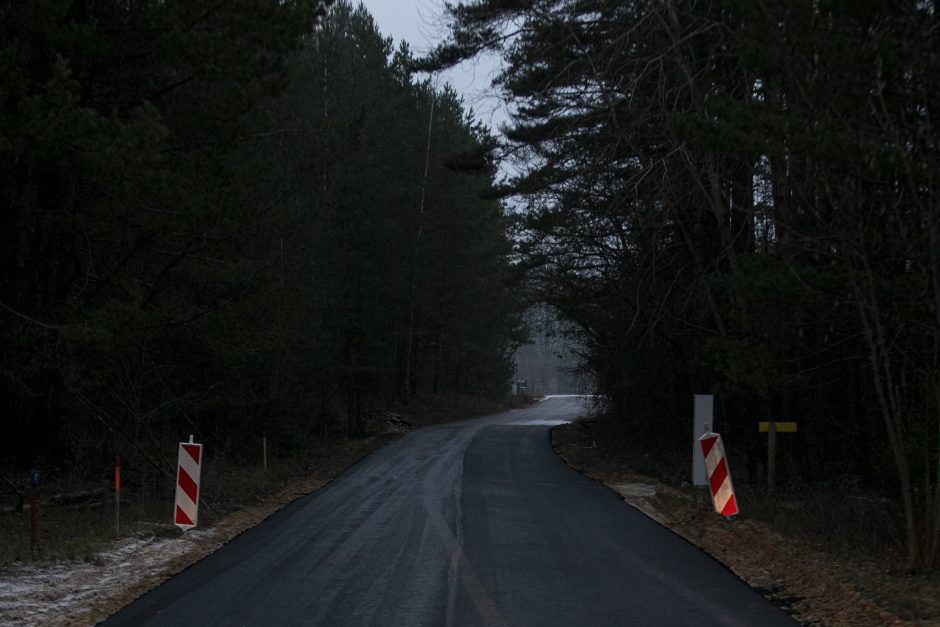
(472, 523)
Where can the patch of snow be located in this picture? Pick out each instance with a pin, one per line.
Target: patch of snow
(61, 592)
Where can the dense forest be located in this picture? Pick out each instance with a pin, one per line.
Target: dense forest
(253, 216)
(739, 198)
(229, 218)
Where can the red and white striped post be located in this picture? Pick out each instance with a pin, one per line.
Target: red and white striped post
(117, 495)
(187, 485)
(719, 477)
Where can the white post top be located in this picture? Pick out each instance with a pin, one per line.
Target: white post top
(190, 438)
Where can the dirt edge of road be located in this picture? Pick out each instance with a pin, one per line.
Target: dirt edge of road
(814, 588)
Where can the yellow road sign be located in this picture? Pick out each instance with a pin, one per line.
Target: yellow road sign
(782, 427)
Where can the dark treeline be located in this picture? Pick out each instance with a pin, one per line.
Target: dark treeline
(741, 198)
(233, 218)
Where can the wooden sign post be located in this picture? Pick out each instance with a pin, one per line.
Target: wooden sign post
(771, 428)
(33, 515)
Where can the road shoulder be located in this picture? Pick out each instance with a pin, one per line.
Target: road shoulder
(813, 587)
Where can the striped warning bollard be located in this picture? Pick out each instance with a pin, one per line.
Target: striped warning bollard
(187, 485)
(719, 477)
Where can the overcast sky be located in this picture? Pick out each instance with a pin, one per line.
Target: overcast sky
(421, 24)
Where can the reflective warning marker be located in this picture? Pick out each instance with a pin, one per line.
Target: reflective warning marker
(719, 477)
(187, 485)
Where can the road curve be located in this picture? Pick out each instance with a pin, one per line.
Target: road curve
(471, 523)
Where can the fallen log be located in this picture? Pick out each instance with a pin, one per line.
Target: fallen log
(96, 497)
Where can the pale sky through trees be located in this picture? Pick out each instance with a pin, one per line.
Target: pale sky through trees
(421, 24)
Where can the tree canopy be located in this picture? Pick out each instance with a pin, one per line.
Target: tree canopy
(229, 218)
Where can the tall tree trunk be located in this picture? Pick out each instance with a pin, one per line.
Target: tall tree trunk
(412, 303)
(883, 377)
